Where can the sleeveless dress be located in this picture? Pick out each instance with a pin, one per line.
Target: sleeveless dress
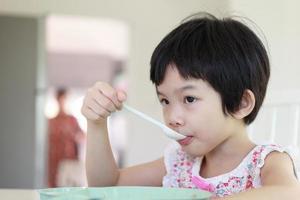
(183, 168)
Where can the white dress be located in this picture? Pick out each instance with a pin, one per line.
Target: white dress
(181, 168)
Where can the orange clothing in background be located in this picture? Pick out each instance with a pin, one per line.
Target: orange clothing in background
(64, 135)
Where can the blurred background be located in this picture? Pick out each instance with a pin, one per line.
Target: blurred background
(48, 45)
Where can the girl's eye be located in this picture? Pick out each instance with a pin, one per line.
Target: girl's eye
(189, 99)
(164, 101)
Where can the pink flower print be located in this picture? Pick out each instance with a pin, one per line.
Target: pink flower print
(249, 183)
(222, 185)
(256, 155)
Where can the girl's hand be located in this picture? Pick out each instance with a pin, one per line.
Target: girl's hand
(100, 101)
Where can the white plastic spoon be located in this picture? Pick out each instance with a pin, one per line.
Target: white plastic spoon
(169, 132)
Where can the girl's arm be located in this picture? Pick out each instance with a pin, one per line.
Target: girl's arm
(148, 174)
(278, 180)
(102, 169)
(100, 101)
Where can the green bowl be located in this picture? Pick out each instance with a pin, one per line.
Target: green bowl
(122, 193)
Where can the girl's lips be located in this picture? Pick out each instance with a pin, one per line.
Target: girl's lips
(185, 141)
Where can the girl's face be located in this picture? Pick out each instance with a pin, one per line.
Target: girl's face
(193, 108)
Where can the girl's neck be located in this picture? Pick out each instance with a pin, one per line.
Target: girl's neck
(229, 154)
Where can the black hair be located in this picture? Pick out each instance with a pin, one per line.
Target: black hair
(223, 52)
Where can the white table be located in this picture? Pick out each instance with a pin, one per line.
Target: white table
(17, 194)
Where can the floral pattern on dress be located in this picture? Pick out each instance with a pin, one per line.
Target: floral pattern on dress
(244, 177)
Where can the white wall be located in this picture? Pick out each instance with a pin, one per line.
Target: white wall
(279, 20)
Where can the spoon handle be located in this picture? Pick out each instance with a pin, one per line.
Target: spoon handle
(142, 115)
(168, 132)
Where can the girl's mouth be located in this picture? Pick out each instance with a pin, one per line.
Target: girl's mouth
(186, 141)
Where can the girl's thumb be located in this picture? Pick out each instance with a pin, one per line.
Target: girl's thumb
(121, 95)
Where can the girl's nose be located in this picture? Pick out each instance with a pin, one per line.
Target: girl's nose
(176, 123)
(175, 119)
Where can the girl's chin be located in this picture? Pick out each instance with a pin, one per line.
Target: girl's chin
(189, 150)
(193, 150)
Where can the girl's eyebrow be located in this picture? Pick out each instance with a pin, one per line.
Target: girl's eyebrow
(186, 87)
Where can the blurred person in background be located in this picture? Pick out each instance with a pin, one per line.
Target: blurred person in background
(65, 139)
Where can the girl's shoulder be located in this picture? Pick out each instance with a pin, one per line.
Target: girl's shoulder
(260, 153)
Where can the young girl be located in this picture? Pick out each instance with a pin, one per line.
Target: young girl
(211, 77)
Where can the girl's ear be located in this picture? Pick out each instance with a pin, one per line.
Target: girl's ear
(246, 105)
